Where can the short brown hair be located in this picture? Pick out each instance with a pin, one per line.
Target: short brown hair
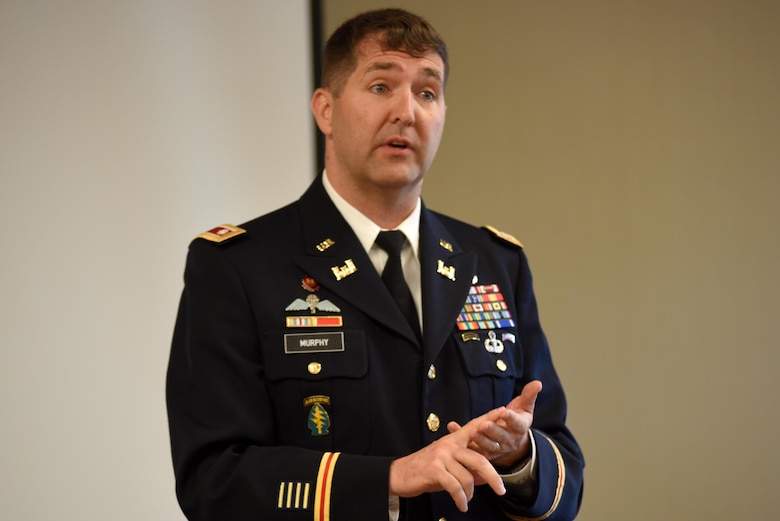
(395, 29)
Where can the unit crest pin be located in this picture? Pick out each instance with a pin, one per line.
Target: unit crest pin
(309, 284)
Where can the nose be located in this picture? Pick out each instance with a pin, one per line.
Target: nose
(404, 108)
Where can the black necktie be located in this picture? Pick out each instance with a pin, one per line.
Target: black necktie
(393, 276)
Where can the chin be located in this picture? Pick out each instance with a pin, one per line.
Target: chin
(400, 179)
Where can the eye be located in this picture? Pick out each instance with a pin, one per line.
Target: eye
(428, 95)
(379, 89)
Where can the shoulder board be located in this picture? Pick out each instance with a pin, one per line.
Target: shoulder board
(504, 236)
(222, 233)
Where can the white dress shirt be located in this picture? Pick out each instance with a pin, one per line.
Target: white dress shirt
(367, 231)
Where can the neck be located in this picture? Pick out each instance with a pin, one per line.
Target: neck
(387, 207)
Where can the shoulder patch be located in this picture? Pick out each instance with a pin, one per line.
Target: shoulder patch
(222, 233)
(504, 236)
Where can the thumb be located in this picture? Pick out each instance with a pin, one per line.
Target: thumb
(527, 399)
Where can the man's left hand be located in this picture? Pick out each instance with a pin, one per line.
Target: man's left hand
(506, 440)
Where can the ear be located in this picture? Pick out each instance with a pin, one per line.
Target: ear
(322, 108)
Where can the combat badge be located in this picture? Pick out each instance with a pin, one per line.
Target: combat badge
(319, 420)
(312, 303)
(493, 344)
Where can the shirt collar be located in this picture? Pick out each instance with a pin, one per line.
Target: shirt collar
(365, 229)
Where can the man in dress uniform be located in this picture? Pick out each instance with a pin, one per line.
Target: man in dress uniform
(355, 355)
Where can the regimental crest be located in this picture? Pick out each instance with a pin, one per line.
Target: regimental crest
(309, 284)
(313, 304)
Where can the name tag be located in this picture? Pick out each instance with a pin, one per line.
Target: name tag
(313, 343)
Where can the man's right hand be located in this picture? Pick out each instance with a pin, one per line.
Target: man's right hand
(447, 464)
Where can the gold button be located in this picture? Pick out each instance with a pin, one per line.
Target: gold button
(432, 372)
(315, 367)
(501, 365)
(433, 422)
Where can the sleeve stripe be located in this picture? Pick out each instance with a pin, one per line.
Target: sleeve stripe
(324, 483)
(558, 489)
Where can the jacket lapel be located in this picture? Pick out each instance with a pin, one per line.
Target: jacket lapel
(337, 261)
(447, 272)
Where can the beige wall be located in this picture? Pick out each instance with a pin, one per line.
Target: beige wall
(126, 128)
(634, 147)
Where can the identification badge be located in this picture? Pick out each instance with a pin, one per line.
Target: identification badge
(313, 343)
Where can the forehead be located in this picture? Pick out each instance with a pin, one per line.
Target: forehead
(372, 56)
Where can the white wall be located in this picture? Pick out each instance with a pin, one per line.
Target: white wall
(126, 128)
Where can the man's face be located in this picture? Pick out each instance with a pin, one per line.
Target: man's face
(386, 124)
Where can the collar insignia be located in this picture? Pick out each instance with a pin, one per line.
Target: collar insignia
(327, 243)
(446, 271)
(346, 270)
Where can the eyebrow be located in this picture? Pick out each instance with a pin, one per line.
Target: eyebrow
(389, 66)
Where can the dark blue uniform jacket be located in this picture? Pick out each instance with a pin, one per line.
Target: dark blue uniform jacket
(294, 379)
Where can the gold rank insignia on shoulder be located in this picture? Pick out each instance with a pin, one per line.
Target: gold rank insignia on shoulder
(222, 233)
(505, 236)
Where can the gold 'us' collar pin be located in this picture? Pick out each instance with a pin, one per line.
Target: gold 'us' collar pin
(444, 244)
(327, 243)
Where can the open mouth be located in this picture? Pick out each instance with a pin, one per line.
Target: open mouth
(399, 144)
